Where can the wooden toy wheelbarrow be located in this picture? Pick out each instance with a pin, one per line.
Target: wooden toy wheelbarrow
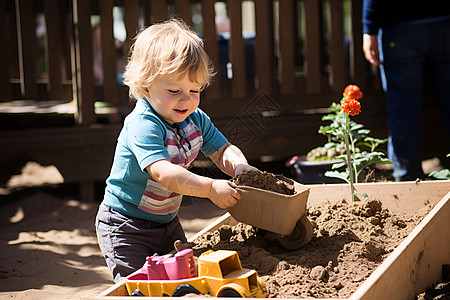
(280, 217)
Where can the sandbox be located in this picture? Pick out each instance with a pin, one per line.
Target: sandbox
(413, 266)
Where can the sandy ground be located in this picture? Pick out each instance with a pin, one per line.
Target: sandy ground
(48, 244)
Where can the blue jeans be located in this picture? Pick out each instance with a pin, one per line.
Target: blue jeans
(126, 242)
(405, 50)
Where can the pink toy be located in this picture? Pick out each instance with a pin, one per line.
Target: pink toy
(179, 266)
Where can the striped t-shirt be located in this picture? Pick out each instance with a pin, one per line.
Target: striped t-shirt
(146, 138)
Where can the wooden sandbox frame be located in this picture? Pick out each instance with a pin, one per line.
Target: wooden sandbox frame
(412, 267)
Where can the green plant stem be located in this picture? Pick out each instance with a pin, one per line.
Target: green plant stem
(352, 143)
(347, 149)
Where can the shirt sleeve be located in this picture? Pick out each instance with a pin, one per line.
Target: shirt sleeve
(146, 139)
(373, 15)
(213, 139)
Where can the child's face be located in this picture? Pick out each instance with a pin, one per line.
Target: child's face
(174, 99)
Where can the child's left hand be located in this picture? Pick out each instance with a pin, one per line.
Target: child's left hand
(243, 168)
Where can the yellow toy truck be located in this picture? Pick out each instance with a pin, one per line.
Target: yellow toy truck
(219, 274)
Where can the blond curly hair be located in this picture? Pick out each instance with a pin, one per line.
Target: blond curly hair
(168, 48)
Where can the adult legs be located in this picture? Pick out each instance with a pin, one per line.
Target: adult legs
(402, 68)
(438, 58)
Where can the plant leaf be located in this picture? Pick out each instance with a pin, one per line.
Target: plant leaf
(336, 174)
(365, 159)
(339, 165)
(442, 174)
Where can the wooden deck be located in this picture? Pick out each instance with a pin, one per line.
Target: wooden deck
(289, 60)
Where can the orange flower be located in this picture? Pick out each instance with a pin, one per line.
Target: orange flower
(352, 92)
(351, 106)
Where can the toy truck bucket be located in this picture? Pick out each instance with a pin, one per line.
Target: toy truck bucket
(157, 267)
(218, 263)
(271, 211)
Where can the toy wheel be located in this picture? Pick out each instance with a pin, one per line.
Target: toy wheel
(300, 236)
(137, 293)
(184, 289)
(230, 293)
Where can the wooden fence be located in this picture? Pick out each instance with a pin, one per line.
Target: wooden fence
(280, 64)
(295, 47)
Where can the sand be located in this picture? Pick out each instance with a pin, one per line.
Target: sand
(49, 249)
(48, 244)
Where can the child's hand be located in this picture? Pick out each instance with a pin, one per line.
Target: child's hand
(243, 168)
(223, 194)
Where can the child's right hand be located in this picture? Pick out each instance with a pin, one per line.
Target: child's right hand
(223, 194)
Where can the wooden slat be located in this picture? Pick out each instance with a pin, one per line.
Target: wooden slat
(236, 49)
(110, 88)
(158, 11)
(55, 50)
(131, 18)
(226, 219)
(211, 46)
(14, 52)
(117, 290)
(27, 42)
(183, 11)
(337, 55)
(146, 11)
(82, 74)
(287, 46)
(5, 89)
(67, 35)
(357, 60)
(407, 196)
(313, 50)
(264, 46)
(16, 141)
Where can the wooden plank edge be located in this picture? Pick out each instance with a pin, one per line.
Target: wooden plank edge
(115, 292)
(118, 289)
(416, 263)
(407, 196)
(226, 219)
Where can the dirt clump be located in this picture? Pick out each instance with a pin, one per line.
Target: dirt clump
(265, 181)
(350, 241)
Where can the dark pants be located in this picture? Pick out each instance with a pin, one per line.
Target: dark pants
(126, 242)
(406, 50)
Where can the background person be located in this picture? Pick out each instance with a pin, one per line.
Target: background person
(402, 37)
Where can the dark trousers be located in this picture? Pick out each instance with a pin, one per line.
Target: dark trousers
(126, 242)
(406, 50)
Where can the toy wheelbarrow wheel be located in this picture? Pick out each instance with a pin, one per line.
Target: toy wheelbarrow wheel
(300, 236)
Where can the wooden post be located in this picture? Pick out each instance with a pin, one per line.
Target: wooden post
(236, 46)
(337, 55)
(183, 11)
(87, 191)
(313, 50)
(55, 49)
(131, 18)
(109, 55)
(158, 11)
(211, 45)
(357, 60)
(5, 87)
(82, 71)
(26, 39)
(287, 82)
(264, 46)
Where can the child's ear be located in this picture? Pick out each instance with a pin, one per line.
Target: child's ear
(144, 91)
